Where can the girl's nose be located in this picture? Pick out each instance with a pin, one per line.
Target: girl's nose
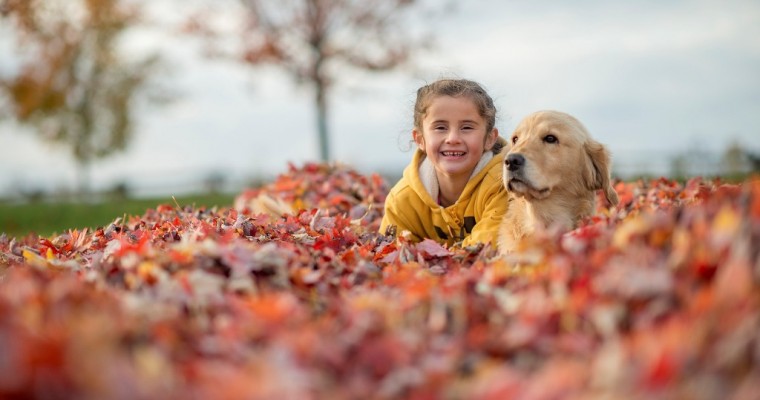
(453, 136)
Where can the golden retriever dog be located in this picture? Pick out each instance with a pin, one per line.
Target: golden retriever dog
(552, 170)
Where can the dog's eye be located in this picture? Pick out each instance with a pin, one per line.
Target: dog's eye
(514, 139)
(551, 139)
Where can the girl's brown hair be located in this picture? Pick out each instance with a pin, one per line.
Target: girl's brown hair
(456, 88)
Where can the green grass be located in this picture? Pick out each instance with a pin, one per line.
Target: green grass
(49, 218)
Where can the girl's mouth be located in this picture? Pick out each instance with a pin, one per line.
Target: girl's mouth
(453, 153)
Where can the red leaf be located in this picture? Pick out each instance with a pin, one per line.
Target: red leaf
(430, 248)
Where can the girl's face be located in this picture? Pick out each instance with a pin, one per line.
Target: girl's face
(454, 136)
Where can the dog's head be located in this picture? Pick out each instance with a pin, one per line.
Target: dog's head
(551, 151)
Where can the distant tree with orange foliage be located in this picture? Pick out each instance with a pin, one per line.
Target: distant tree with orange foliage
(316, 41)
(72, 85)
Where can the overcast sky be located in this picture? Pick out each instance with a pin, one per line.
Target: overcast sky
(647, 78)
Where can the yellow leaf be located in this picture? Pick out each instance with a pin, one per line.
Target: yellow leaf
(34, 259)
(145, 268)
(726, 222)
(630, 229)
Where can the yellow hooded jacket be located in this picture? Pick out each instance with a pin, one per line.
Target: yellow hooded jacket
(474, 218)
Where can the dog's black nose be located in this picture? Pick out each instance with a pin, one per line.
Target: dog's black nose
(515, 161)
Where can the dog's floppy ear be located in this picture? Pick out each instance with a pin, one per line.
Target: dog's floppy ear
(598, 170)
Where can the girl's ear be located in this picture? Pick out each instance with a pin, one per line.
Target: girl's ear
(491, 139)
(419, 139)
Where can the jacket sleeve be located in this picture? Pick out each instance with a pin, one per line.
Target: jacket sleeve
(394, 217)
(486, 230)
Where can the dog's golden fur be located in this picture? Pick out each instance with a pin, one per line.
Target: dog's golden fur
(552, 169)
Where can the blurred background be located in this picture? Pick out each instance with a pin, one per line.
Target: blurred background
(137, 99)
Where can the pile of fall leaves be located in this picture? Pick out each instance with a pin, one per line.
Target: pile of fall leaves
(655, 298)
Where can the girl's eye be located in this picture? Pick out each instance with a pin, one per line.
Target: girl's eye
(514, 139)
(551, 139)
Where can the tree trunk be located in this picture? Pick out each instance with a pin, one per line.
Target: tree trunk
(321, 103)
(83, 180)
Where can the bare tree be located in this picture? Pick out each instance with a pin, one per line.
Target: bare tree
(72, 86)
(734, 161)
(315, 41)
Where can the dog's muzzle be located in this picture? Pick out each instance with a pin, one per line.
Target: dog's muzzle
(515, 178)
(514, 161)
(514, 168)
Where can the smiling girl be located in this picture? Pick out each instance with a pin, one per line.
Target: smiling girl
(452, 190)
